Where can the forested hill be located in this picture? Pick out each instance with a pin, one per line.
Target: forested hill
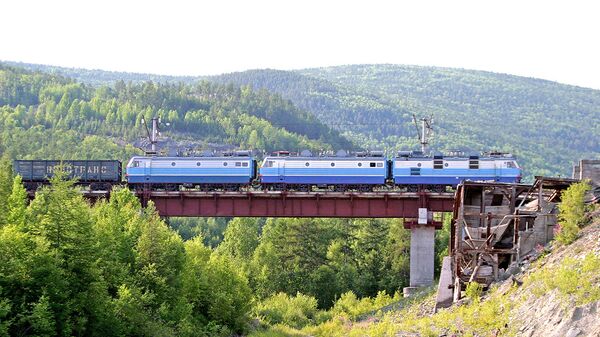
(51, 116)
(340, 106)
(99, 77)
(113, 268)
(547, 124)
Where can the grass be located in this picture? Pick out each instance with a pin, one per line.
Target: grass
(572, 278)
(575, 279)
(483, 318)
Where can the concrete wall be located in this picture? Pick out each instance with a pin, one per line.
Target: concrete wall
(588, 169)
(422, 252)
(445, 290)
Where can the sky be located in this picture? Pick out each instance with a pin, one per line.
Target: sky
(554, 40)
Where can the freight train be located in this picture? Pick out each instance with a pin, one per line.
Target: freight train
(97, 174)
(366, 171)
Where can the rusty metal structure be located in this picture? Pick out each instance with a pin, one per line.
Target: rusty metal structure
(297, 204)
(495, 225)
(403, 205)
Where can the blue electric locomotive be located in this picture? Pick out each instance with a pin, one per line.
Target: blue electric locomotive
(340, 172)
(414, 168)
(225, 172)
(282, 171)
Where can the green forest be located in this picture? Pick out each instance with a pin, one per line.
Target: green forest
(50, 116)
(113, 268)
(70, 268)
(548, 125)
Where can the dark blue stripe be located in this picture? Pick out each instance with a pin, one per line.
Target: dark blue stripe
(188, 180)
(323, 180)
(189, 171)
(419, 180)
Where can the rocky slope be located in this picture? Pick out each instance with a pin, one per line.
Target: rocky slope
(570, 306)
(554, 294)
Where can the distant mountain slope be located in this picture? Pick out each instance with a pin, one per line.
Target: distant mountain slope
(548, 124)
(51, 116)
(342, 107)
(99, 77)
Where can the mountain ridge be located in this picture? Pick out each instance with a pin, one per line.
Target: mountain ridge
(469, 109)
(547, 124)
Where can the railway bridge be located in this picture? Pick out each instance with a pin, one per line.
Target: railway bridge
(404, 205)
(417, 209)
(421, 211)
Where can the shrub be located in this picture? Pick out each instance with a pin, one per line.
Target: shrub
(292, 311)
(474, 291)
(572, 212)
(350, 306)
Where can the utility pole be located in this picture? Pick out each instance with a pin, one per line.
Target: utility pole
(424, 133)
(153, 135)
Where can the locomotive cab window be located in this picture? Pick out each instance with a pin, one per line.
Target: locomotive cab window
(238, 164)
(379, 164)
(511, 164)
(245, 164)
(372, 165)
(136, 163)
(268, 163)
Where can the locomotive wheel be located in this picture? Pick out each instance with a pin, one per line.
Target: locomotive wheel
(340, 188)
(412, 188)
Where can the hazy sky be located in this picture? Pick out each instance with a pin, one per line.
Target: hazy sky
(558, 41)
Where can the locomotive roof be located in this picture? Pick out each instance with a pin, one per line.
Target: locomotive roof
(324, 158)
(422, 156)
(456, 158)
(67, 160)
(196, 158)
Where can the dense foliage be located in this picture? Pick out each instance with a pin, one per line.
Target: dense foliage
(547, 124)
(101, 77)
(572, 214)
(52, 116)
(112, 269)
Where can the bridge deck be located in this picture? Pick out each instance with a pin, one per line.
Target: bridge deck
(297, 204)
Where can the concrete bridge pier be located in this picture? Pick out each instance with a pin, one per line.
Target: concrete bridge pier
(422, 251)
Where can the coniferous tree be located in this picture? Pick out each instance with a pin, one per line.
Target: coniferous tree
(17, 203)
(5, 187)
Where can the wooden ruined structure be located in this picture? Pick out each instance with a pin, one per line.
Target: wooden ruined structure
(494, 226)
